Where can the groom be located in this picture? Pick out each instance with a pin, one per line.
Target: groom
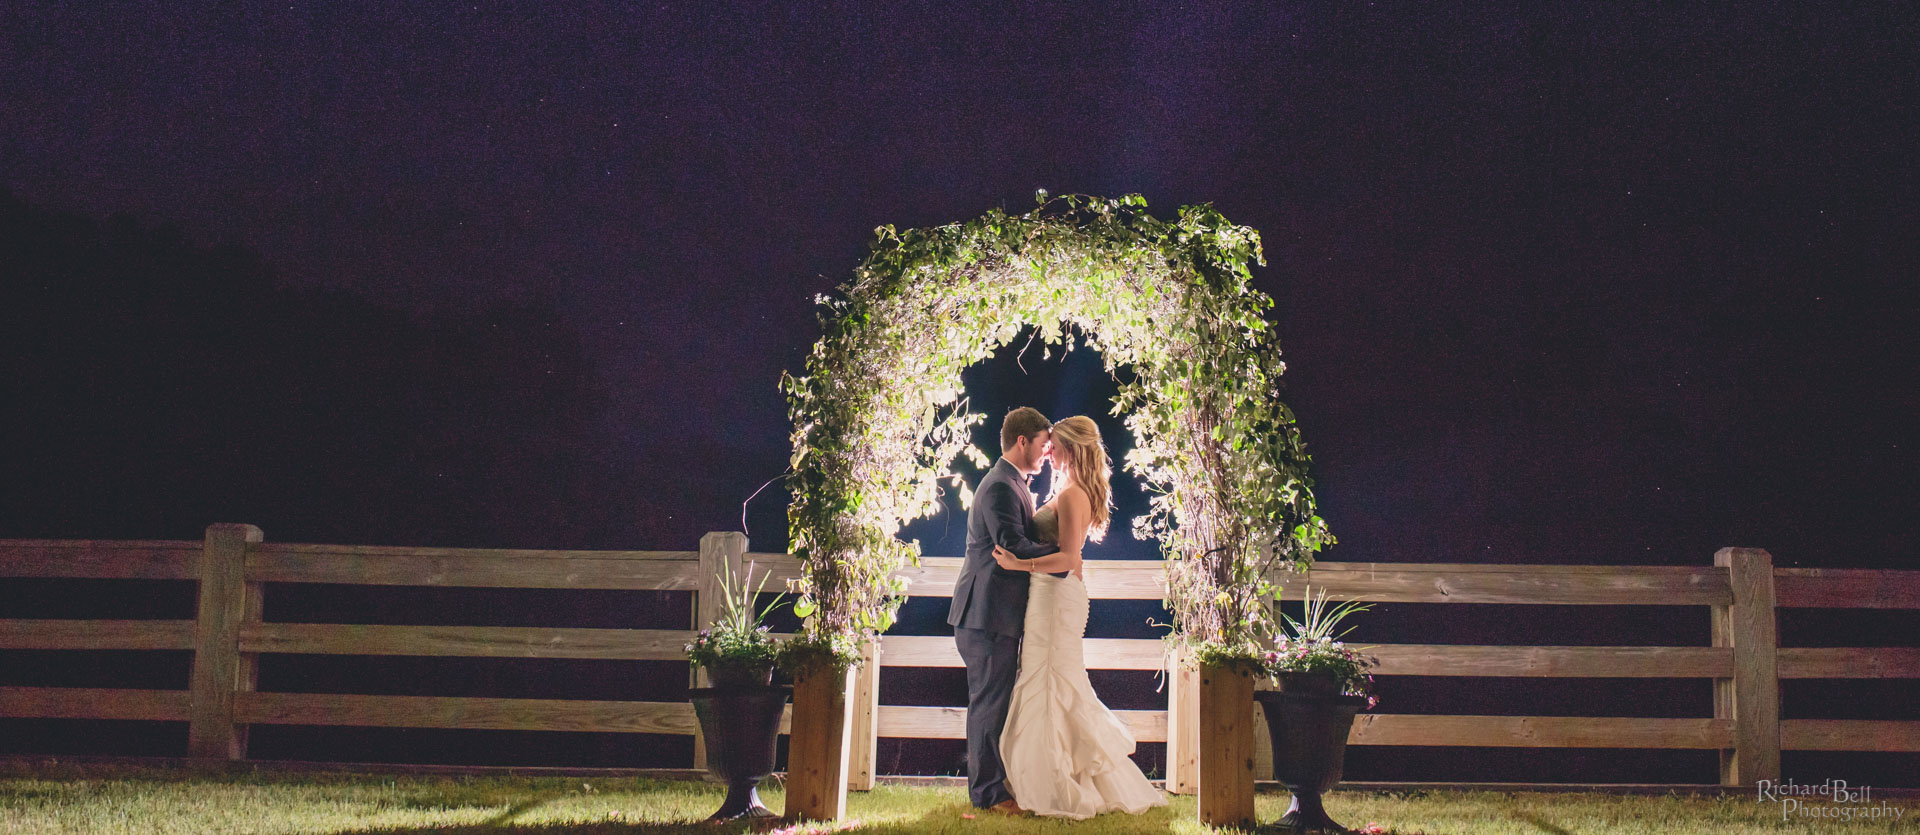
(990, 603)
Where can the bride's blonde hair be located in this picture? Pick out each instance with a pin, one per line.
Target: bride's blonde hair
(1088, 467)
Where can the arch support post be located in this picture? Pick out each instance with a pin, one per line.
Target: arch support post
(822, 739)
(1226, 747)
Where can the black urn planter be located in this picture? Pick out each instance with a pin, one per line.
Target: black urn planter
(1309, 735)
(1309, 684)
(740, 675)
(741, 724)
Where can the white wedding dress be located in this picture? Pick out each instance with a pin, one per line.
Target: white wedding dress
(1066, 754)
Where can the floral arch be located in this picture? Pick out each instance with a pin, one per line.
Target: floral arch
(879, 418)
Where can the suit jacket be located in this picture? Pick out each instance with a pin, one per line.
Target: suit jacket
(987, 596)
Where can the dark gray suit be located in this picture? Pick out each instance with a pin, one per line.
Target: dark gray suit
(989, 613)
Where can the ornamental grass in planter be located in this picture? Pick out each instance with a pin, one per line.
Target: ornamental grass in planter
(1312, 660)
(1323, 684)
(738, 649)
(740, 713)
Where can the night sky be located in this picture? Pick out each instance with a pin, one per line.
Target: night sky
(1570, 283)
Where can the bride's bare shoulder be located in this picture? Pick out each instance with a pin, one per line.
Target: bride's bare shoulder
(1075, 500)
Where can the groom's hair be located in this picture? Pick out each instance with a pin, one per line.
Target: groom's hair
(1024, 422)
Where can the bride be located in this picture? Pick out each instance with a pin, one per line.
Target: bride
(1066, 754)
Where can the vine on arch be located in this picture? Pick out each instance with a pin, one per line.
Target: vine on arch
(879, 416)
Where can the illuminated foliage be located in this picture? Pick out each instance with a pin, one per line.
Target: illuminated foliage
(879, 418)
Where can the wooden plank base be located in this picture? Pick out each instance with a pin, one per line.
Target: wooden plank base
(1226, 747)
(817, 753)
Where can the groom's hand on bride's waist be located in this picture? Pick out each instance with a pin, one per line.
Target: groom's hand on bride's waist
(1007, 560)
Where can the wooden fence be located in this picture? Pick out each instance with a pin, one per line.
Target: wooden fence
(1742, 591)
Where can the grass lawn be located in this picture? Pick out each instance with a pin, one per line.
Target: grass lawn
(158, 801)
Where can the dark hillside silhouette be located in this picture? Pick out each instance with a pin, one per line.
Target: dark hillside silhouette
(152, 385)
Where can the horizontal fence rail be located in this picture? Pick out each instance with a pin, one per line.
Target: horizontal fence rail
(626, 570)
(466, 641)
(1742, 592)
(101, 559)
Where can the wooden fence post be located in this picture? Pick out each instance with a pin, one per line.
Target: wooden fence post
(1183, 725)
(1752, 697)
(721, 553)
(864, 757)
(1262, 737)
(220, 671)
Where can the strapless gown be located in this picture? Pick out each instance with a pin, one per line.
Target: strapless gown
(1066, 754)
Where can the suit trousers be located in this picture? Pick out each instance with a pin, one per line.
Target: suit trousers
(993, 662)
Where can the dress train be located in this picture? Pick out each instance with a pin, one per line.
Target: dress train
(1066, 754)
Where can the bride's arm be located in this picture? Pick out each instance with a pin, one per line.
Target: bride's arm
(1075, 514)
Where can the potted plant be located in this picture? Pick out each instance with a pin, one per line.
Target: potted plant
(740, 713)
(738, 649)
(1323, 683)
(1313, 660)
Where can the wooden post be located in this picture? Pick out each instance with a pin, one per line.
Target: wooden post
(1262, 737)
(817, 751)
(227, 601)
(1183, 725)
(864, 738)
(1752, 697)
(1226, 747)
(1720, 623)
(721, 553)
